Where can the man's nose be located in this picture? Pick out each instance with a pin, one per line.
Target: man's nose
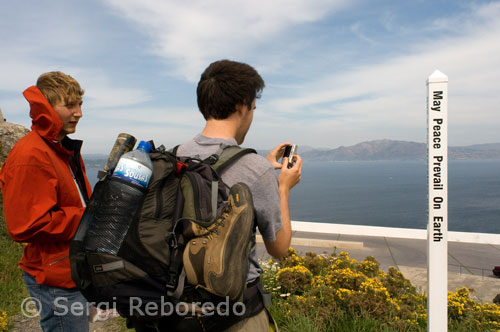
(77, 111)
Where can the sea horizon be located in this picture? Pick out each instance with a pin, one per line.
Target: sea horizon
(393, 194)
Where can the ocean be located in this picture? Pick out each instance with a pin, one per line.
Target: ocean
(393, 194)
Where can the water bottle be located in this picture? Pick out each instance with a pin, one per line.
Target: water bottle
(135, 166)
(118, 200)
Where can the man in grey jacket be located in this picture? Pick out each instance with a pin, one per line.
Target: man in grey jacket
(227, 93)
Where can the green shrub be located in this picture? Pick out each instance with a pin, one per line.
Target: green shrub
(337, 293)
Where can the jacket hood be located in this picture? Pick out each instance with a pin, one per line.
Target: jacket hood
(44, 119)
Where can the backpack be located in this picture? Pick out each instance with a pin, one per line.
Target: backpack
(127, 252)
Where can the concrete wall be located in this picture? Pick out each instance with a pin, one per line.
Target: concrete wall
(404, 233)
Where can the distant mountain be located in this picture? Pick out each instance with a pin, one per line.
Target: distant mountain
(479, 151)
(399, 150)
(384, 149)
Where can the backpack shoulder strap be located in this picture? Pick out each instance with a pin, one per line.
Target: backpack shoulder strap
(174, 150)
(229, 155)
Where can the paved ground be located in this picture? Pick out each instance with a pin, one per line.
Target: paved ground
(469, 264)
(23, 324)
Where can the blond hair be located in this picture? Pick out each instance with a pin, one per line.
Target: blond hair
(59, 87)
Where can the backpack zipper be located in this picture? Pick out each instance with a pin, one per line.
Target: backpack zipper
(159, 200)
(196, 194)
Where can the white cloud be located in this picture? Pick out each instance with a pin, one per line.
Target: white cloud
(357, 30)
(18, 72)
(165, 125)
(15, 107)
(325, 85)
(392, 94)
(53, 37)
(167, 129)
(160, 116)
(101, 91)
(191, 34)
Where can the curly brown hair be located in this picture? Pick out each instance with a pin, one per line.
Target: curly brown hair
(59, 87)
(225, 84)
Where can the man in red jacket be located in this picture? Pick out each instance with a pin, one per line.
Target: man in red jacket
(45, 191)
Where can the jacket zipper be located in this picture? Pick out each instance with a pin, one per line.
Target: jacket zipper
(58, 260)
(77, 187)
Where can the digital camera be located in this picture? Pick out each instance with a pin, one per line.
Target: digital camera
(290, 151)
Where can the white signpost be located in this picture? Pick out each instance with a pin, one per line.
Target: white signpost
(437, 229)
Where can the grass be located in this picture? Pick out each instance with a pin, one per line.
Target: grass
(12, 288)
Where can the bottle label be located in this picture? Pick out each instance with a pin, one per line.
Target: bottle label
(132, 171)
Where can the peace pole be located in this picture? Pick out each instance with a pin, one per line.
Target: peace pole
(437, 228)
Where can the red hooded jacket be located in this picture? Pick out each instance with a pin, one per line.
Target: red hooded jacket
(42, 203)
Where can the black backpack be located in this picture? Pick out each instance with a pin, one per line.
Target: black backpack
(128, 247)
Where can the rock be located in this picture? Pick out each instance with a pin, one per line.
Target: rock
(10, 133)
(496, 300)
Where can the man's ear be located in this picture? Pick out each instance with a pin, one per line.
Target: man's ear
(241, 109)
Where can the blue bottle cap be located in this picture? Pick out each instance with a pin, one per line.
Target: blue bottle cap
(145, 146)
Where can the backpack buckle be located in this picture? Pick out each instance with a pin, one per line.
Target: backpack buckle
(172, 240)
(212, 159)
(171, 280)
(180, 167)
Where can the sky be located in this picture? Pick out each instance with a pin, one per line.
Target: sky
(337, 72)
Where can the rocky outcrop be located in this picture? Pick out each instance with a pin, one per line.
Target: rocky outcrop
(10, 133)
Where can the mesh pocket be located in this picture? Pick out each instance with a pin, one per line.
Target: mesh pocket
(116, 207)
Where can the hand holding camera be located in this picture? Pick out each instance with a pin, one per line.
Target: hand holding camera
(290, 152)
(275, 155)
(291, 168)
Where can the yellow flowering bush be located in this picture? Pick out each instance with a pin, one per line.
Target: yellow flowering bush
(463, 309)
(330, 292)
(294, 279)
(369, 267)
(344, 278)
(343, 262)
(319, 304)
(3, 321)
(313, 262)
(458, 301)
(291, 259)
(396, 283)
